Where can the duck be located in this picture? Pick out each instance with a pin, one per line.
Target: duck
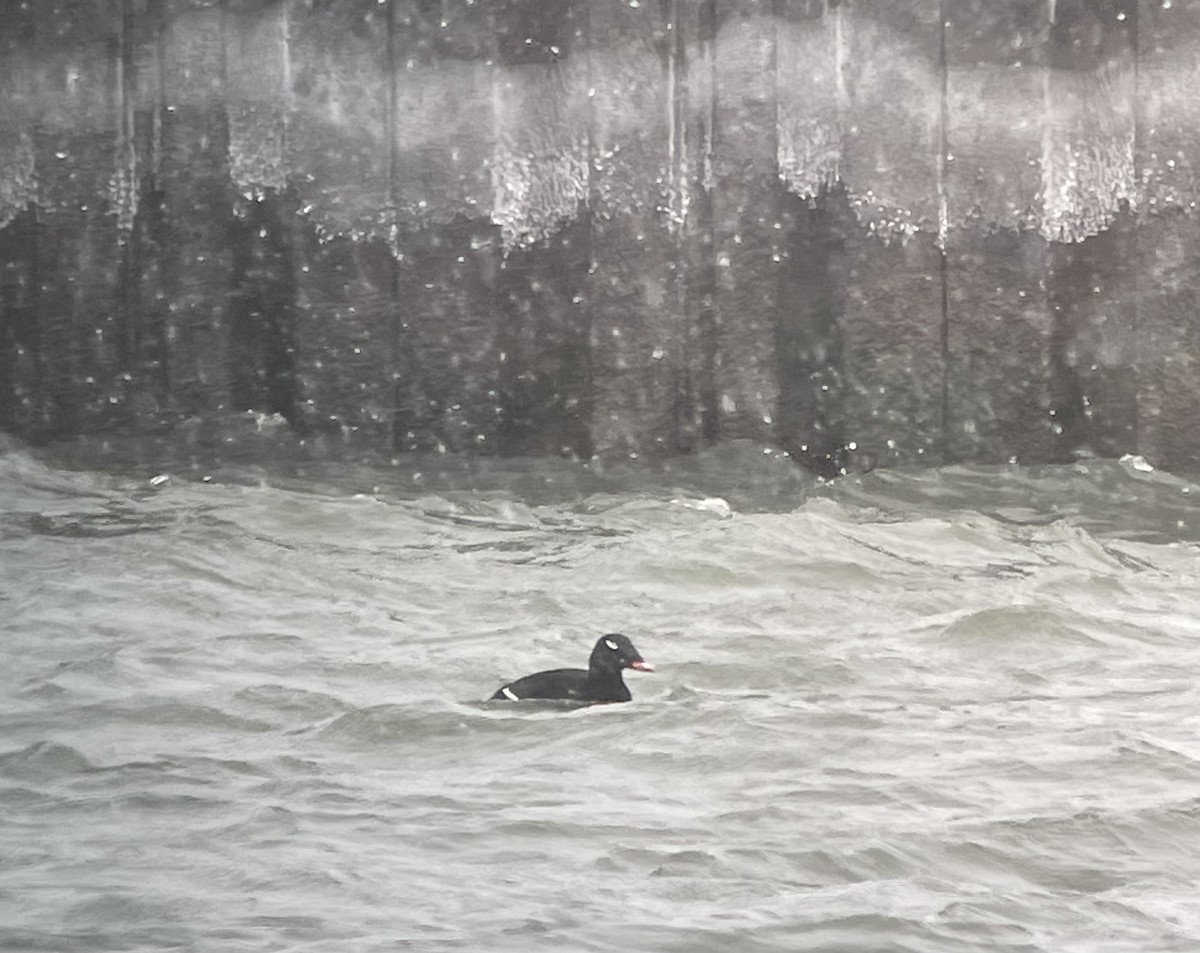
(600, 682)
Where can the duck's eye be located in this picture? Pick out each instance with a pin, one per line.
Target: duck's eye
(611, 644)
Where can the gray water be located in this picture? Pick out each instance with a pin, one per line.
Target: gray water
(942, 711)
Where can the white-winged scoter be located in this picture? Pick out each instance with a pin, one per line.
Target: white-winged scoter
(600, 682)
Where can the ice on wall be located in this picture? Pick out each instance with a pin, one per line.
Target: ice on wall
(259, 81)
(539, 165)
(858, 104)
(850, 99)
(18, 176)
(257, 135)
(1052, 149)
(1087, 159)
(812, 101)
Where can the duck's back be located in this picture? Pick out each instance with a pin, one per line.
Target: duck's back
(555, 683)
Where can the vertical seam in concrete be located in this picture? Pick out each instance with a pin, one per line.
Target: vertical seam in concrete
(944, 227)
(285, 40)
(389, 125)
(586, 433)
(1135, 40)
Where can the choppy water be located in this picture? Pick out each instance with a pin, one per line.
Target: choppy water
(942, 711)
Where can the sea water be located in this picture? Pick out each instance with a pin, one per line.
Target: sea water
(941, 710)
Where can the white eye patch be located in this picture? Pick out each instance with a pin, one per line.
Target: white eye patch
(611, 644)
(510, 694)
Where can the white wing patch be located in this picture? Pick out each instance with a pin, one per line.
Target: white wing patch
(611, 644)
(510, 694)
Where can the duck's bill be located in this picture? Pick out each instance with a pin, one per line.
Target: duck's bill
(642, 666)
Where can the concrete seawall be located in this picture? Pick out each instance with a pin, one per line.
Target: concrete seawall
(869, 234)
